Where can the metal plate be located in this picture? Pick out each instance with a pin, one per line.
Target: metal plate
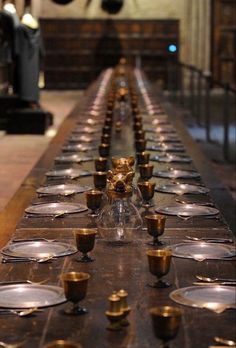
(89, 122)
(72, 158)
(208, 296)
(63, 189)
(78, 148)
(201, 251)
(169, 138)
(30, 295)
(166, 147)
(52, 209)
(39, 249)
(158, 121)
(70, 173)
(171, 158)
(82, 139)
(181, 189)
(187, 210)
(86, 130)
(176, 174)
(160, 129)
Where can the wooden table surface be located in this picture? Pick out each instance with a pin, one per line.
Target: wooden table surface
(115, 268)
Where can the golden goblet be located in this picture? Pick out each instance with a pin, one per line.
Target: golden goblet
(142, 157)
(106, 130)
(140, 145)
(155, 227)
(85, 240)
(146, 171)
(166, 321)
(100, 164)
(100, 180)
(137, 126)
(104, 150)
(147, 189)
(94, 200)
(139, 135)
(75, 288)
(159, 265)
(106, 139)
(62, 344)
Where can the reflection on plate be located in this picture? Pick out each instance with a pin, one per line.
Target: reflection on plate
(162, 120)
(86, 130)
(176, 174)
(39, 249)
(160, 129)
(207, 296)
(168, 138)
(82, 139)
(72, 159)
(162, 147)
(52, 209)
(171, 158)
(181, 189)
(202, 250)
(78, 148)
(187, 210)
(68, 173)
(90, 122)
(30, 295)
(63, 189)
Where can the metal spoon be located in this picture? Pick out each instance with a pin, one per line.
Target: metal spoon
(19, 240)
(224, 341)
(26, 259)
(19, 313)
(213, 240)
(11, 345)
(213, 280)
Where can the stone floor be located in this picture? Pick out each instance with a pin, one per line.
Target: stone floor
(19, 153)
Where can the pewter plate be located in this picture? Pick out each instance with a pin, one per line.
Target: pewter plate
(72, 158)
(52, 209)
(158, 121)
(168, 138)
(38, 249)
(176, 174)
(70, 173)
(166, 147)
(181, 189)
(187, 210)
(201, 251)
(160, 130)
(89, 122)
(86, 130)
(78, 148)
(82, 139)
(30, 295)
(205, 296)
(171, 158)
(63, 189)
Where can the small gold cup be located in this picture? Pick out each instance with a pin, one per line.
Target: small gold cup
(94, 200)
(166, 322)
(155, 227)
(106, 130)
(114, 314)
(104, 150)
(62, 344)
(100, 180)
(75, 288)
(140, 145)
(142, 157)
(146, 171)
(108, 121)
(137, 126)
(147, 189)
(139, 135)
(159, 265)
(85, 240)
(100, 164)
(106, 139)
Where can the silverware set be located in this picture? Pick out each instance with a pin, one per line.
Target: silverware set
(214, 281)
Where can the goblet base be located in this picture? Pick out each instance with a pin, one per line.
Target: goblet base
(155, 243)
(85, 259)
(160, 284)
(147, 204)
(75, 310)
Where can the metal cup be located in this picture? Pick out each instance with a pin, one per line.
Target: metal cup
(140, 145)
(94, 200)
(146, 171)
(100, 164)
(147, 189)
(100, 180)
(137, 126)
(75, 288)
(104, 150)
(166, 322)
(155, 227)
(159, 265)
(106, 139)
(139, 135)
(142, 157)
(85, 240)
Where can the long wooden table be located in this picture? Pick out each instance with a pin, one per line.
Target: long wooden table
(115, 268)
